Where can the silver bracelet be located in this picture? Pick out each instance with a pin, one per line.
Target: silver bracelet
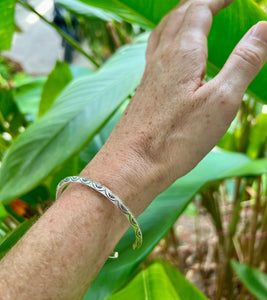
(110, 196)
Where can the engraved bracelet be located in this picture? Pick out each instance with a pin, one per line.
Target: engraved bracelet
(111, 197)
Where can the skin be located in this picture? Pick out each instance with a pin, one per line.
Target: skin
(172, 122)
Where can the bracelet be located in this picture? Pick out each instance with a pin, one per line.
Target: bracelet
(110, 196)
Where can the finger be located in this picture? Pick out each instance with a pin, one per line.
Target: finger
(172, 25)
(175, 19)
(217, 5)
(154, 37)
(157, 34)
(172, 21)
(191, 42)
(214, 5)
(245, 61)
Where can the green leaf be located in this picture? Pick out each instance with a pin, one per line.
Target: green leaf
(77, 163)
(258, 138)
(146, 13)
(159, 281)
(254, 280)
(159, 217)
(11, 239)
(57, 80)
(10, 115)
(227, 29)
(77, 71)
(28, 91)
(3, 212)
(70, 168)
(28, 95)
(252, 168)
(96, 144)
(4, 144)
(7, 9)
(79, 112)
(88, 12)
(261, 2)
(37, 196)
(185, 289)
(151, 284)
(191, 210)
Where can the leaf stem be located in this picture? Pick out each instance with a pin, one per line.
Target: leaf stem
(226, 276)
(70, 40)
(254, 222)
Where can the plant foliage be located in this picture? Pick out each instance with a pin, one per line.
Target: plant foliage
(51, 127)
(7, 8)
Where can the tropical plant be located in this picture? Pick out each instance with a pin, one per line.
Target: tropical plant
(51, 127)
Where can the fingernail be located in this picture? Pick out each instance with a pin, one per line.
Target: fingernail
(260, 31)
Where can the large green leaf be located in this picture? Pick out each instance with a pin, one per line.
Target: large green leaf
(75, 117)
(28, 90)
(7, 9)
(255, 168)
(88, 12)
(57, 80)
(77, 71)
(27, 95)
(146, 13)
(254, 280)
(159, 281)
(184, 288)
(158, 218)
(228, 27)
(151, 284)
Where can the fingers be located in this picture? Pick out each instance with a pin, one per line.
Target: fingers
(187, 8)
(154, 38)
(191, 42)
(214, 5)
(158, 35)
(170, 24)
(245, 61)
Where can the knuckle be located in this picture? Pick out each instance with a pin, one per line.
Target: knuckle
(249, 55)
(197, 46)
(223, 94)
(198, 3)
(227, 103)
(194, 53)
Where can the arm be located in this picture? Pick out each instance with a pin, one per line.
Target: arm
(165, 131)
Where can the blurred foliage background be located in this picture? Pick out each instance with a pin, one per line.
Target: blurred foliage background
(210, 226)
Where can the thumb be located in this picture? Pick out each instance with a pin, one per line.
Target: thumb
(246, 60)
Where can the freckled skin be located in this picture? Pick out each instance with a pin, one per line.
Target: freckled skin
(172, 122)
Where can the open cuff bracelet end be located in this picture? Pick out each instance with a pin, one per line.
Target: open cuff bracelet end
(111, 197)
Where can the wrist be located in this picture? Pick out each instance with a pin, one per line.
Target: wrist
(125, 173)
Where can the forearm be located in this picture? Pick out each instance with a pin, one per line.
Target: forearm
(173, 121)
(62, 253)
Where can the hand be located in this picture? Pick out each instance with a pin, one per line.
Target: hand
(175, 117)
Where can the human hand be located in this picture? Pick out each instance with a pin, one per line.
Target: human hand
(175, 117)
